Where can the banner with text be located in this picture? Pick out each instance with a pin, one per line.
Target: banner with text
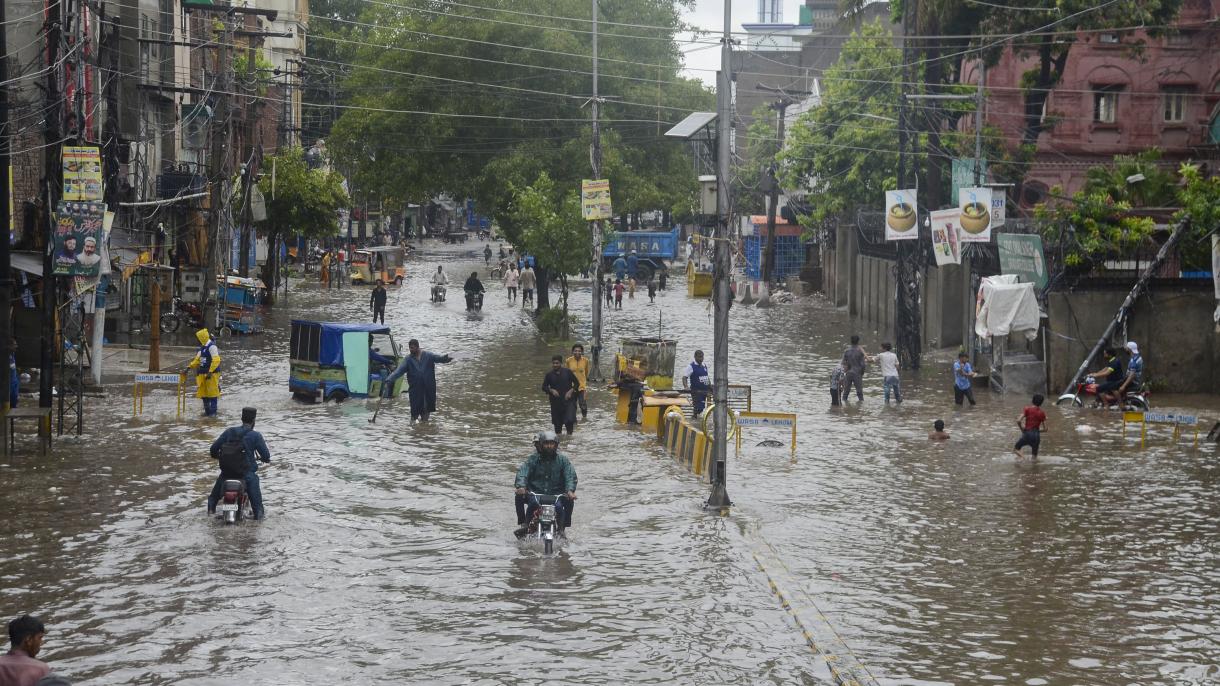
(78, 232)
(975, 223)
(901, 215)
(1022, 255)
(595, 199)
(944, 237)
(82, 172)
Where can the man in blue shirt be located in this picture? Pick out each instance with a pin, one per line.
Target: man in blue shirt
(633, 262)
(962, 375)
(1135, 370)
(255, 452)
(620, 268)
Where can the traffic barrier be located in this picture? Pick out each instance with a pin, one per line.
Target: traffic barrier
(140, 389)
(1177, 420)
(688, 445)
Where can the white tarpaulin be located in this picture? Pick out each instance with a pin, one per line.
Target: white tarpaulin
(1005, 307)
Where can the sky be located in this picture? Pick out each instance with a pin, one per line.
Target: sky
(709, 14)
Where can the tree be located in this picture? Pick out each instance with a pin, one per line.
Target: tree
(760, 149)
(843, 151)
(554, 232)
(303, 202)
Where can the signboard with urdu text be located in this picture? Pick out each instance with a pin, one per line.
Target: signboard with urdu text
(1022, 255)
(595, 199)
(82, 172)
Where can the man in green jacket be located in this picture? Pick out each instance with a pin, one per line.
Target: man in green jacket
(549, 472)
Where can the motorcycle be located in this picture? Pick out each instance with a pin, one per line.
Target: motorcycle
(234, 505)
(1137, 400)
(182, 313)
(545, 524)
(438, 293)
(474, 300)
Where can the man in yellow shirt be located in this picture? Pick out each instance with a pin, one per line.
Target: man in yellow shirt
(579, 364)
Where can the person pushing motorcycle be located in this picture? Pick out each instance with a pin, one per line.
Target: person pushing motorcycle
(549, 472)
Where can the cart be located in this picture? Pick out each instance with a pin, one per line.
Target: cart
(240, 304)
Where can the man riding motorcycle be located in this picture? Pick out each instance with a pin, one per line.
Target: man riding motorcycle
(549, 472)
(255, 451)
(439, 279)
(472, 287)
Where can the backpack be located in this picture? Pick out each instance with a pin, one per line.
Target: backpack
(233, 455)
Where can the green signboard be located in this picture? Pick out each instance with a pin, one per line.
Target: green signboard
(1021, 254)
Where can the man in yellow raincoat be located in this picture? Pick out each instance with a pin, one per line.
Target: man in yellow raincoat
(207, 376)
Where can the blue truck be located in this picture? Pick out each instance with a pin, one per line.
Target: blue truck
(653, 248)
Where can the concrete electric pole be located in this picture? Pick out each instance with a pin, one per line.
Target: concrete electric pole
(719, 497)
(596, 226)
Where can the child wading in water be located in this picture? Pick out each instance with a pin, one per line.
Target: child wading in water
(938, 432)
(1030, 423)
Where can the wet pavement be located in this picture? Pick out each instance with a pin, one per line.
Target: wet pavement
(387, 555)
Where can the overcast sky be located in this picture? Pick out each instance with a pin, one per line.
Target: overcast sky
(709, 14)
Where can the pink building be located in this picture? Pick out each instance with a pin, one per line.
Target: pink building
(1110, 102)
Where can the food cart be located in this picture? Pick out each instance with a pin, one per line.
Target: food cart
(240, 301)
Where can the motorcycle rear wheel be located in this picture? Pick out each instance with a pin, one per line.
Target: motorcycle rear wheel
(548, 546)
(170, 322)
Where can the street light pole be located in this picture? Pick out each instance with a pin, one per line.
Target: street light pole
(596, 226)
(719, 497)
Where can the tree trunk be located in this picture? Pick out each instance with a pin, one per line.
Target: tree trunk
(1050, 71)
(271, 266)
(563, 289)
(544, 285)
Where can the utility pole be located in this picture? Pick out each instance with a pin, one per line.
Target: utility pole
(978, 125)
(243, 269)
(52, 187)
(596, 226)
(218, 161)
(6, 272)
(718, 499)
(907, 315)
(781, 108)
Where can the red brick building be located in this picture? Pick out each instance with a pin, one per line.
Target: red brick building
(1113, 102)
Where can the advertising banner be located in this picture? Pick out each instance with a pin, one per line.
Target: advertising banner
(78, 234)
(1022, 255)
(944, 237)
(901, 215)
(974, 226)
(82, 173)
(999, 208)
(595, 199)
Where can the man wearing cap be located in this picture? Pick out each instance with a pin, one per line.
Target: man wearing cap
(207, 374)
(1135, 370)
(256, 451)
(66, 257)
(89, 257)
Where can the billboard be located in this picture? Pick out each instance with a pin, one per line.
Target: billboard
(82, 172)
(78, 236)
(975, 223)
(1022, 255)
(595, 199)
(945, 245)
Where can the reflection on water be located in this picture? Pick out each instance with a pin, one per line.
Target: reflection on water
(388, 553)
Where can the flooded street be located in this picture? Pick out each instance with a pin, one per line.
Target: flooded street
(387, 555)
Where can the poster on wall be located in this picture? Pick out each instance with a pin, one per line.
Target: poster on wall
(975, 223)
(901, 215)
(82, 172)
(78, 233)
(944, 237)
(595, 199)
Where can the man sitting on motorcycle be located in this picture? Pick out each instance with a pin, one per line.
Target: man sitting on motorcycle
(1135, 371)
(255, 449)
(439, 279)
(1109, 379)
(472, 287)
(549, 472)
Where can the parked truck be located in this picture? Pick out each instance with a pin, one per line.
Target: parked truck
(653, 248)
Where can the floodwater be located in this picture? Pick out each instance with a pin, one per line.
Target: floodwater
(387, 555)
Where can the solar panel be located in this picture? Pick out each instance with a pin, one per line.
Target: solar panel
(693, 123)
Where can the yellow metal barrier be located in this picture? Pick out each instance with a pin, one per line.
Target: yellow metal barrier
(140, 389)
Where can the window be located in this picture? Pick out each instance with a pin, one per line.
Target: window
(1174, 101)
(1181, 39)
(1105, 104)
(1111, 38)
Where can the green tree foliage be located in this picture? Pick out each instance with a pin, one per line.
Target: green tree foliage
(551, 229)
(1103, 220)
(455, 100)
(844, 150)
(304, 202)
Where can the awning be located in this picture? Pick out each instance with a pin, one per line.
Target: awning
(30, 263)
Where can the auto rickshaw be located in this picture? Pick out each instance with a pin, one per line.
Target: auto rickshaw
(336, 361)
(383, 262)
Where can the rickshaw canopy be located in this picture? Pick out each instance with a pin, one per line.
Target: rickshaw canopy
(322, 342)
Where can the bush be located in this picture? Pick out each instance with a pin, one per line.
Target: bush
(553, 323)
